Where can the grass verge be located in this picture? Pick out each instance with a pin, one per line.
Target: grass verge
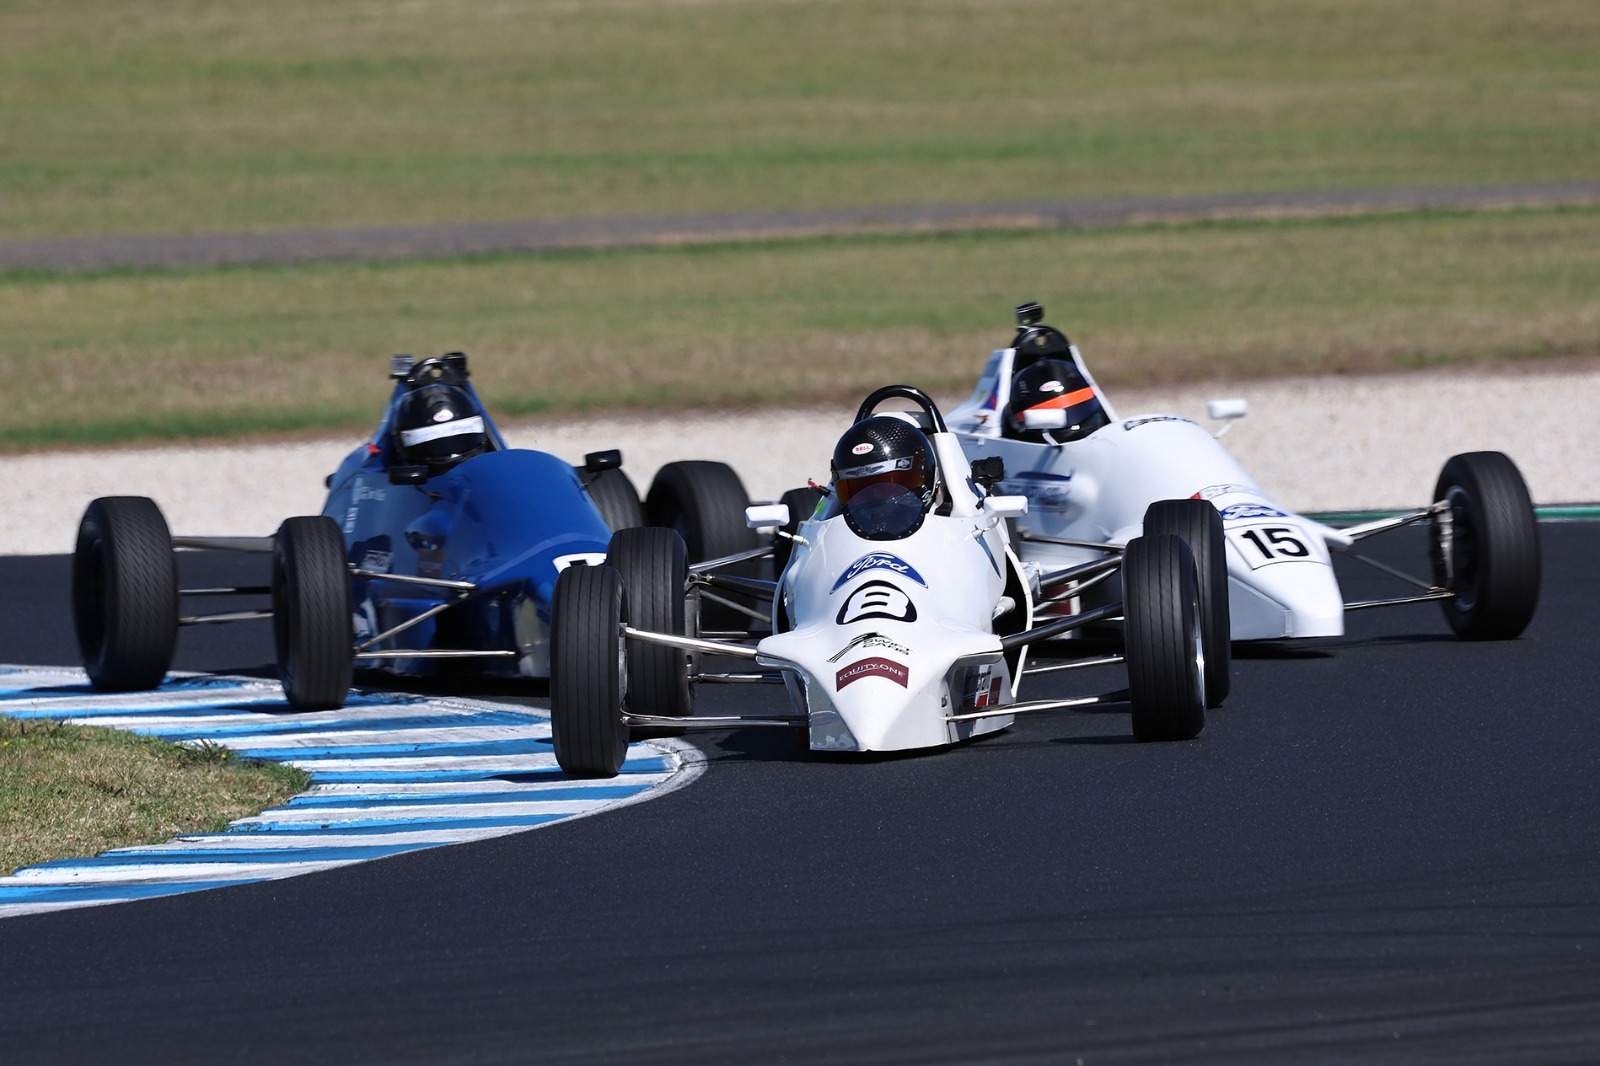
(67, 790)
(195, 354)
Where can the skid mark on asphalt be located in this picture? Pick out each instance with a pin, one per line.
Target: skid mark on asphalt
(390, 773)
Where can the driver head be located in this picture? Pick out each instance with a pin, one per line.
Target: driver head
(884, 476)
(1054, 385)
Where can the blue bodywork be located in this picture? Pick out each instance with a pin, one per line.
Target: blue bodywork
(506, 520)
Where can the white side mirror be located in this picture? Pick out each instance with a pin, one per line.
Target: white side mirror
(1227, 412)
(1048, 418)
(766, 515)
(1005, 506)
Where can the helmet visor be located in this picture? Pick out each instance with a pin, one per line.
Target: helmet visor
(883, 510)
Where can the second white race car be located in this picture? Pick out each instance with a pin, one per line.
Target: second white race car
(1091, 477)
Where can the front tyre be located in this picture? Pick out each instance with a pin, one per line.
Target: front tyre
(1165, 653)
(654, 568)
(1485, 548)
(125, 593)
(311, 613)
(1199, 524)
(588, 671)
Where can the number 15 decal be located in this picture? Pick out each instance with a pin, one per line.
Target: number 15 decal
(1261, 545)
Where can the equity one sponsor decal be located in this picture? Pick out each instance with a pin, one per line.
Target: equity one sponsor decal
(896, 672)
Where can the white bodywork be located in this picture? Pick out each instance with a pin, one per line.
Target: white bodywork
(1096, 489)
(881, 642)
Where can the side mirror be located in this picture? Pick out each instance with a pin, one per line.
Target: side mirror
(1227, 412)
(1005, 506)
(767, 515)
(610, 459)
(1049, 418)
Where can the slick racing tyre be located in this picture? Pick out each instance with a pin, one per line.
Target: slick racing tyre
(588, 671)
(802, 503)
(1166, 682)
(615, 498)
(1487, 553)
(125, 593)
(705, 502)
(311, 613)
(654, 567)
(1198, 523)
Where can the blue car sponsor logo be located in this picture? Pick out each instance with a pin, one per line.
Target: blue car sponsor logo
(878, 561)
(1236, 511)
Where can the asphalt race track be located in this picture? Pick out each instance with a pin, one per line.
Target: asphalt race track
(1380, 850)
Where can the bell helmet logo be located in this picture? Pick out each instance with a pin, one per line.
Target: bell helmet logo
(862, 449)
(878, 561)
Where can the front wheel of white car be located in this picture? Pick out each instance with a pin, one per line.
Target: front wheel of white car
(1166, 660)
(1198, 523)
(1485, 547)
(655, 572)
(588, 671)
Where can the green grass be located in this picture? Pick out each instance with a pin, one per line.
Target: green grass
(154, 116)
(68, 790)
(149, 355)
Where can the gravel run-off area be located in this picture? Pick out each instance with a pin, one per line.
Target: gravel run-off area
(1313, 444)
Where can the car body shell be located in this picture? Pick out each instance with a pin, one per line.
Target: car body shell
(883, 642)
(505, 522)
(1095, 490)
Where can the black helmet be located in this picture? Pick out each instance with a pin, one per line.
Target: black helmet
(437, 425)
(884, 477)
(1054, 385)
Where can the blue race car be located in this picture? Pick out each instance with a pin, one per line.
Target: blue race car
(437, 543)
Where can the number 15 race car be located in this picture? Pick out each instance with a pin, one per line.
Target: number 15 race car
(437, 544)
(1092, 477)
(901, 618)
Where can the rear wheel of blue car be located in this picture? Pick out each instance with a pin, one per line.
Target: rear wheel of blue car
(615, 498)
(1165, 656)
(654, 567)
(1485, 547)
(311, 612)
(705, 503)
(588, 671)
(125, 593)
(1199, 524)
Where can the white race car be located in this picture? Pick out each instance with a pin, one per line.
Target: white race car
(1090, 476)
(901, 617)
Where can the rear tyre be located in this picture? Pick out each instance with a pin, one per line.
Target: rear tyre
(588, 671)
(1166, 681)
(705, 502)
(615, 498)
(311, 612)
(1491, 558)
(802, 503)
(125, 593)
(1199, 524)
(654, 567)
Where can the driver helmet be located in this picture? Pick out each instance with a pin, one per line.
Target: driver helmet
(884, 477)
(438, 426)
(1054, 384)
